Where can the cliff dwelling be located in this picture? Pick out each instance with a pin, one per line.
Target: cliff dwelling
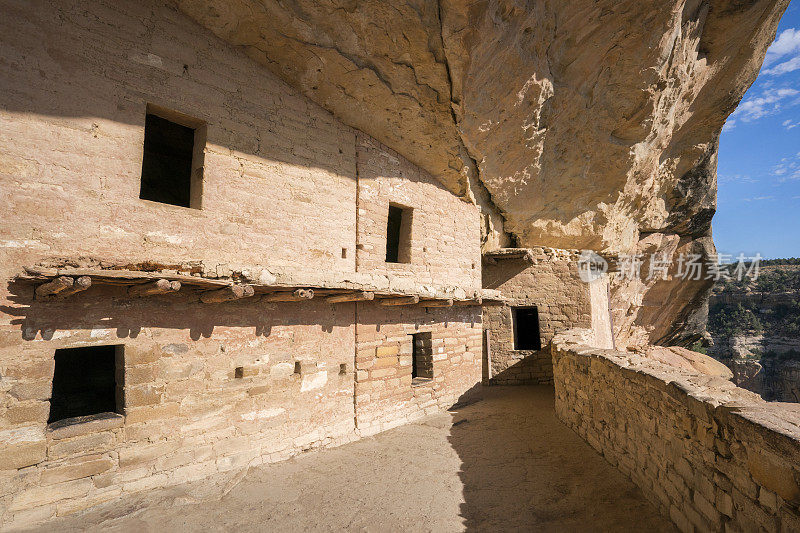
(234, 233)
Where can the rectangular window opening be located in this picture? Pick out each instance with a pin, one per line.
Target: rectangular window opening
(172, 164)
(85, 382)
(526, 328)
(398, 234)
(422, 357)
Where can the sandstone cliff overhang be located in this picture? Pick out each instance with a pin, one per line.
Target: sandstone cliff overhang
(573, 124)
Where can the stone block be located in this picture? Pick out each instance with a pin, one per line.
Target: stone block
(22, 454)
(387, 351)
(304, 367)
(768, 499)
(45, 494)
(135, 415)
(774, 473)
(382, 372)
(314, 381)
(141, 356)
(65, 508)
(37, 370)
(139, 374)
(32, 390)
(81, 445)
(281, 370)
(384, 362)
(84, 425)
(246, 371)
(142, 395)
(89, 466)
(724, 503)
(143, 455)
(31, 411)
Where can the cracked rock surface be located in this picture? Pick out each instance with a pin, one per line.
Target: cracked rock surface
(573, 124)
(586, 121)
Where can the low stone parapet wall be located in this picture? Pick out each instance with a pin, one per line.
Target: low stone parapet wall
(712, 456)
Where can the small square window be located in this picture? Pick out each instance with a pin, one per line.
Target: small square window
(422, 356)
(398, 234)
(173, 159)
(526, 328)
(85, 382)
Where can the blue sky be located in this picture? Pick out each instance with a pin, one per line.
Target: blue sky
(759, 157)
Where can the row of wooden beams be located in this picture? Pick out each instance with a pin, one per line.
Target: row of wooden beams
(125, 276)
(62, 286)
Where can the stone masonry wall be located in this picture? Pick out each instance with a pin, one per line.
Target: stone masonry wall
(712, 456)
(279, 172)
(187, 413)
(206, 388)
(446, 234)
(385, 395)
(550, 283)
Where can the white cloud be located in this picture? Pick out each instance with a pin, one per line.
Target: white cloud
(789, 124)
(736, 178)
(785, 67)
(768, 103)
(784, 53)
(788, 42)
(788, 169)
(759, 198)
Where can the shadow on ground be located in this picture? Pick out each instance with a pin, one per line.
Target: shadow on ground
(501, 462)
(522, 469)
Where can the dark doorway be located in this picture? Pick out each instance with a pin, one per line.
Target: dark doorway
(398, 234)
(167, 162)
(422, 356)
(84, 382)
(526, 328)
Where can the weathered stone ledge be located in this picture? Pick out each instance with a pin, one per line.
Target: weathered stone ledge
(711, 455)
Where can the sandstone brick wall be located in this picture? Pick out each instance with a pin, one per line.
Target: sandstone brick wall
(279, 171)
(712, 456)
(446, 233)
(207, 388)
(186, 413)
(385, 395)
(550, 283)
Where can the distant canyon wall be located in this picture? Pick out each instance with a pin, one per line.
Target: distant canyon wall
(773, 380)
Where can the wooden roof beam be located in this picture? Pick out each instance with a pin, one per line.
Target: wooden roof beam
(402, 300)
(53, 287)
(360, 296)
(297, 295)
(161, 286)
(437, 303)
(233, 292)
(79, 284)
(474, 301)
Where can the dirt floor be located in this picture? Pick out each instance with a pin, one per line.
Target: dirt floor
(504, 463)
